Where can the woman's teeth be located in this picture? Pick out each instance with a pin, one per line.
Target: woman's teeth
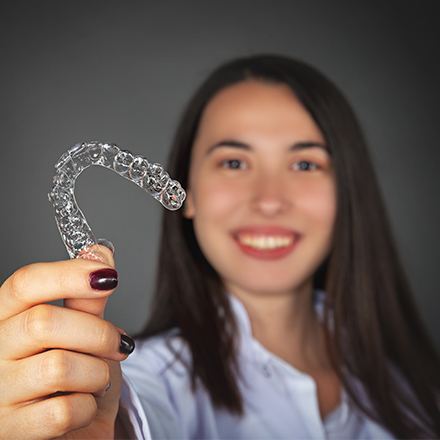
(265, 241)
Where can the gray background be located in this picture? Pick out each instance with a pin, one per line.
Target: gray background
(122, 71)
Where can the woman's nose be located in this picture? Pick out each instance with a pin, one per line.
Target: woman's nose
(270, 196)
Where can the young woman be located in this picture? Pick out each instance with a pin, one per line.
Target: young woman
(281, 309)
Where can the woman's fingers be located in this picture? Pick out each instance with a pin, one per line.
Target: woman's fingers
(56, 362)
(96, 306)
(50, 418)
(46, 326)
(52, 371)
(43, 282)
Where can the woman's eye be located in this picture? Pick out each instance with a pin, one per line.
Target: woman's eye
(305, 165)
(237, 164)
(234, 164)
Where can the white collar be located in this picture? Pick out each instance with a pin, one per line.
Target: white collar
(251, 349)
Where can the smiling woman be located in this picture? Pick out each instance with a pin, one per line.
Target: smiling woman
(266, 198)
(281, 307)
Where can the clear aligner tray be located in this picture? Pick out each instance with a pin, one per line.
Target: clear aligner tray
(72, 224)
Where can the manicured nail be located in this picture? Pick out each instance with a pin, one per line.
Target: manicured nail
(107, 243)
(104, 279)
(127, 345)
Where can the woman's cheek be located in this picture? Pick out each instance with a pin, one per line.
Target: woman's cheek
(219, 197)
(310, 196)
(319, 201)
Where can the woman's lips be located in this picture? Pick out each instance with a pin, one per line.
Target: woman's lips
(266, 242)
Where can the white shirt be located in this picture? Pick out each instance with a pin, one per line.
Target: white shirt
(280, 401)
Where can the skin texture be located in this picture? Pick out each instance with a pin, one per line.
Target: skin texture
(233, 187)
(56, 362)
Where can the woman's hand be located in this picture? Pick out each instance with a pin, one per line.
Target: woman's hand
(57, 362)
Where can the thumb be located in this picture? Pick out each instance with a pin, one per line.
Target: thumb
(94, 306)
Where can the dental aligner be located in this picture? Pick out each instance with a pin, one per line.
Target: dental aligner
(72, 224)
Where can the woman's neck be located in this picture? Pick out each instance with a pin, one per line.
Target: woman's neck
(286, 324)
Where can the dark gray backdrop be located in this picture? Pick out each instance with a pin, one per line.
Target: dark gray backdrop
(122, 71)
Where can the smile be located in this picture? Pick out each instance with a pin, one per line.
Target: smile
(267, 245)
(265, 241)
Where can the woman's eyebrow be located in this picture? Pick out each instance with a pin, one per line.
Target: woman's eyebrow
(232, 143)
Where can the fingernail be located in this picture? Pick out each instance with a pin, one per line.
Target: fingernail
(103, 392)
(127, 345)
(107, 243)
(104, 279)
(108, 386)
(121, 331)
(91, 255)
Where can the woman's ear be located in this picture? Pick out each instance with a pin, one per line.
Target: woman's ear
(188, 205)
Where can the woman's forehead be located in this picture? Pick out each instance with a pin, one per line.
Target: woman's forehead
(257, 107)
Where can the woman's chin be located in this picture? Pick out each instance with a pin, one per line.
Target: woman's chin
(266, 287)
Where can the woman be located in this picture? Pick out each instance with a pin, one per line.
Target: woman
(281, 308)
(275, 151)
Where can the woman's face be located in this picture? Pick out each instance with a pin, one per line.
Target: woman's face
(261, 189)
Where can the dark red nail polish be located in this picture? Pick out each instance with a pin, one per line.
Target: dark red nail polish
(104, 279)
(127, 344)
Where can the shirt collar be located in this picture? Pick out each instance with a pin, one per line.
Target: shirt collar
(253, 350)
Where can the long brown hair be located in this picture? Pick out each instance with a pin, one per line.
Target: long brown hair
(378, 336)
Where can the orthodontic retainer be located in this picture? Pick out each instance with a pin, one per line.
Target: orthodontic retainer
(75, 232)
